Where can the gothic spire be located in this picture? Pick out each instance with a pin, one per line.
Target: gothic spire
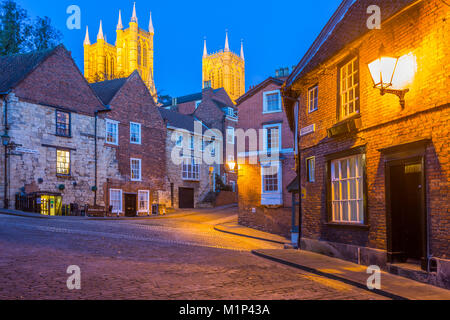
(134, 17)
(205, 50)
(100, 35)
(119, 24)
(87, 41)
(227, 46)
(242, 50)
(150, 24)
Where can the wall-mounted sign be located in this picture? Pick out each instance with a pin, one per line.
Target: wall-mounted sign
(26, 150)
(308, 130)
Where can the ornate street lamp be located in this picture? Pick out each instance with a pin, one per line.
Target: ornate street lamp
(383, 71)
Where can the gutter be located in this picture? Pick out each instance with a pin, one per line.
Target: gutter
(6, 125)
(108, 109)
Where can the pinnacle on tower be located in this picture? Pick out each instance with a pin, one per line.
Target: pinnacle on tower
(205, 50)
(100, 35)
(242, 50)
(119, 24)
(150, 24)
(227, 46)
(87, 41)
(134, 17)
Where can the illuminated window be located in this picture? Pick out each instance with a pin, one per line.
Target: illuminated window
(62, 124)
(348, 89)
(112, 132)
(143, 200)
(272, 102)
(135, 133)
(115, 200)
(63, 162)
(347, 188)
(191, 169)
(313, 99)
(136, 169)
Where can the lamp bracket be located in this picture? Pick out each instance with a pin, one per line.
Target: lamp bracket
(399, 93)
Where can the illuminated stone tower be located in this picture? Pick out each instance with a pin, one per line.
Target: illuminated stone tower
(133, 51)
(225, 69)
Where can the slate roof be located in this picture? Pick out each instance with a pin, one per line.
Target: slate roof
(106, 90)
(178, 120)
(15, 68)
(351, 26)
(189, 98)
(258, 87)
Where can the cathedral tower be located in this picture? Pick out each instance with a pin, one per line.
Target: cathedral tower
(225, 69)
(133, 51)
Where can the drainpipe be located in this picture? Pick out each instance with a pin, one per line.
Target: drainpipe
(96, 153)
(5, 182)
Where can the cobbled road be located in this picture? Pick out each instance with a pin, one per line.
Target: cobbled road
(175, 258)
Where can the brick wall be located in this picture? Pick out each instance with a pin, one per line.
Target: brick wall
(133, 103)
(251, 212)
(421, 31)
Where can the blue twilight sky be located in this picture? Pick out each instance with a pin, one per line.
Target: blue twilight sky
(276, 33)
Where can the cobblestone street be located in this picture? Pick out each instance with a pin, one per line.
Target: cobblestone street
(173, 258)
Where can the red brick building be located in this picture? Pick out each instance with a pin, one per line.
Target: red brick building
(135, 130)
(376, 169)
(264, 201)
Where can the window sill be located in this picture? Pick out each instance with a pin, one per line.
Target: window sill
(348, 225)
(271, 112)
(64, 136)
(191, 180)
(64, 176)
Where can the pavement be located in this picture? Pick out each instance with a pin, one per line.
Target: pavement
(394, 287)
(183, 257)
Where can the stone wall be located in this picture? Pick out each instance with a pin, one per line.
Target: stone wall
(175, 177)
(33, 127)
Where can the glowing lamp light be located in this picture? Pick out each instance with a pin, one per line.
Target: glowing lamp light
(383, 71)
(231, 165)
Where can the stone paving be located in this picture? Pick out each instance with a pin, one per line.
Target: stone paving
(177, 258)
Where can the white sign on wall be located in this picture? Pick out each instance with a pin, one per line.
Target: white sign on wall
(25, 150)
(308, 130)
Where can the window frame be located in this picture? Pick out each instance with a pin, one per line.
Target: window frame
(140, 169)
(340, 66)
(69, 135)
(121, 199)
(359, 151)
(266, 136)
(116, 123)
(140, 133)
(233, 131)
(266, 105)
(147, 192)
(190, 175)
(272, 197)
(70, 162)
(311, 179)
(314, 88)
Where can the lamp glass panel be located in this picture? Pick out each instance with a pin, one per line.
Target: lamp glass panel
(382, 70)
